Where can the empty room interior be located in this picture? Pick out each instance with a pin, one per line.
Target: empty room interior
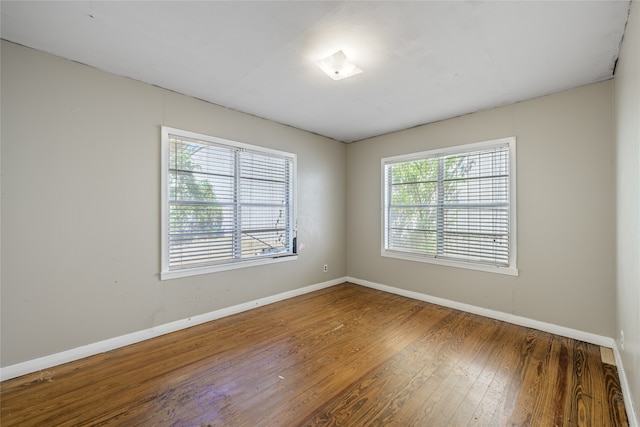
(320, 213)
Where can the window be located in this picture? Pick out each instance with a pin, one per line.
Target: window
(453, 206)
(225, 204)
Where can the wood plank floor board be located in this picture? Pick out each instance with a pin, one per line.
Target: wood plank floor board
(496, 379)
(483, 369)
(436, 410)
(520, 400)
(342, 356)
(614, 407)
(497, 398)
(472, 382)
(328, 331)
(441, 392)
(377, 381)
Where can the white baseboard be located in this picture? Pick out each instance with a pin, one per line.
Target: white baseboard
(632, 415)
(493, 314)
(77, 353)
(523, 321)
(52, 360)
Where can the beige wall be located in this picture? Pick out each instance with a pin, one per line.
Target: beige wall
(627, 108)
(81, 195)
(81, 206)
(565, 211)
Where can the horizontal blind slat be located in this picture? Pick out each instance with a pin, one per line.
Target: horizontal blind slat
(466, 202)
(226, 203)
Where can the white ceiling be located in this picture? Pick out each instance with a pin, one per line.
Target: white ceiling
(423, 61)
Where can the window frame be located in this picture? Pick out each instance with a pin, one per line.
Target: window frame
(166, 272)
(511, 268)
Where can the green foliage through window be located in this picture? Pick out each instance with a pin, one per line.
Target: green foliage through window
(451, 206)
(225, 203)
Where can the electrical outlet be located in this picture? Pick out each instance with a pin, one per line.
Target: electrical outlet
(325, 268)
(621, 339)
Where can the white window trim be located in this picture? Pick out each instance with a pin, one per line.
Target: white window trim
(165, 273)
(511, 269)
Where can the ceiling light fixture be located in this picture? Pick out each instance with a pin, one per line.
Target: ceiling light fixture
(338, 66)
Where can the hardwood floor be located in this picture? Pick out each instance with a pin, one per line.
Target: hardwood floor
(347, 355)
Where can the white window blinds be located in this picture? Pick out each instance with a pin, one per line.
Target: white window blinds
(454, 205)
(225, 203)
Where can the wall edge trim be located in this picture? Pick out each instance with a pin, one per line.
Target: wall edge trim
(46, 362)
(493, 314)
(49, 361)
(600, 340)
(632, 415)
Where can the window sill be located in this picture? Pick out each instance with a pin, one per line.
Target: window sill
(175, 274)
(510, 271)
